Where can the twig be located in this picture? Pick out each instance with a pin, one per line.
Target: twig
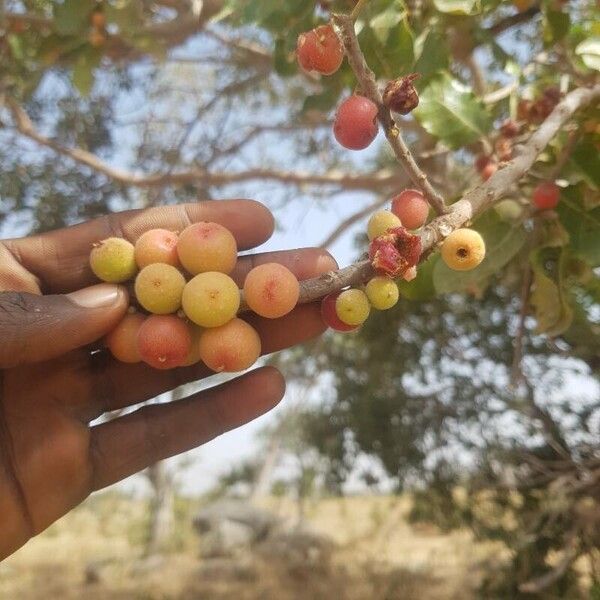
(357, 9)
(479, 82)
(539, 584)
(500, 93)
(472, 204)
(513, 20)
(369, 88)
(382, 179)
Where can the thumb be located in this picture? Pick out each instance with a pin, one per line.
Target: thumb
(36, 328)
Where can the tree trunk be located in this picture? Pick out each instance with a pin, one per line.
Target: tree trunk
(261, 486)
(162, 510)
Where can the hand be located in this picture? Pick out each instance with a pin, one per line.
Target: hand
(52, 387)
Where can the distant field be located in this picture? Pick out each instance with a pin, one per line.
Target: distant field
(377, 556)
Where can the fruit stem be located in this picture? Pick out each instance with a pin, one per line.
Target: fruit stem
(369, 87)
(357, 9)
(473, 203)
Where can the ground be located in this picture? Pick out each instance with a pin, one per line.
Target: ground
(96, 553)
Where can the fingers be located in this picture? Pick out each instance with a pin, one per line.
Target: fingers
(116, 385)
(59, 259)
(304, 263)
(127, 445)
(36, 328)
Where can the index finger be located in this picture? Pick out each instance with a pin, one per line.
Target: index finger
(60, 259)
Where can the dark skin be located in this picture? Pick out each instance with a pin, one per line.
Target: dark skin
(53, 386)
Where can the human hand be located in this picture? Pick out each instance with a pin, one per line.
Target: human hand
(52, 387)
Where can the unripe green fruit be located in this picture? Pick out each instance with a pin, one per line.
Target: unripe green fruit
(113, 260)
(159, 287)
(211, 299)
(352, 307)
(382, 293)
(380, 222)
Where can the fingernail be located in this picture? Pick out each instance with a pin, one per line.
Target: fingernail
(97, 296)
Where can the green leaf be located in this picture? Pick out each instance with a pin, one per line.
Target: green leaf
(503, 242)
(553, 234)
(589, 50)
(549, 296)
(556, 26)
(72, 17)
(451, 112)
(421, 288)
(582, 224)
(393, 57)
(587, 161)
(384, 22)
(125, 14)
(458, 7)
(16, 46)
(281, 59)
(83, 71)
(326, 99)
(433, 53)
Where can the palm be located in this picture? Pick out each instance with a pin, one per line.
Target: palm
(51, 457)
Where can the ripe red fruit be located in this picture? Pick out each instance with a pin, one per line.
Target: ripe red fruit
(488, 171)
(486, 166)
(164, 341)
(546, 195)
(330, 317)
(504, 148)
(395, 253)
(320, 50)
(509, 128)
(355, 125)
(98, 19)
(411, 208)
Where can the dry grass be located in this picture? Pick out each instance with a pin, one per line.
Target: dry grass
(379, 556)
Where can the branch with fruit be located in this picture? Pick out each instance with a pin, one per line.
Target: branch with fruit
(182, 280)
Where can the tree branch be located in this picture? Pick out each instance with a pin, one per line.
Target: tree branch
(382, 179)
(473, 202)
(369, 88)
(513, 21)
(482, 197)
(539, 584)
